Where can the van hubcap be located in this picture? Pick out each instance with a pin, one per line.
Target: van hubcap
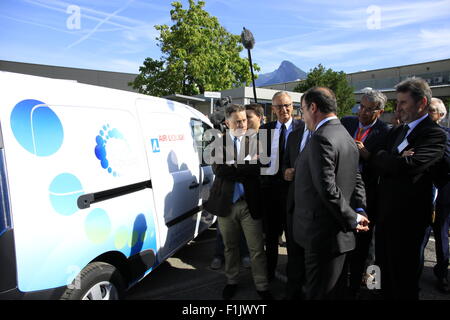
(104, 290)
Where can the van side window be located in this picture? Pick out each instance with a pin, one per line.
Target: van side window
(200, 135)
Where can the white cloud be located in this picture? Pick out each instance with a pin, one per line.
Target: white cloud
(435, 38)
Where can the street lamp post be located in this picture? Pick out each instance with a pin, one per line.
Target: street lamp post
(249, 41)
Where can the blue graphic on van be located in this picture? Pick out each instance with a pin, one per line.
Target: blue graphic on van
(100, 149)
(98, 226)
(36, 127)
(64, 192)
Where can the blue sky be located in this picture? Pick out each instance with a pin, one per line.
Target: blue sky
(117, 35)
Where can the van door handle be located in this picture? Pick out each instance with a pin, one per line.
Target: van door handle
(206, 181)
(194, 185)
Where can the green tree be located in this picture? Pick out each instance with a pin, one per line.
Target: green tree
(336, 81)
(390, 106)
(198, 55)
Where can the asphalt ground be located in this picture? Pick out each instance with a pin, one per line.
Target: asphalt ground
(187, 276)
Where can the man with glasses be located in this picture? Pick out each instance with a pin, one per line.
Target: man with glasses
(369, 133)
(274, 187)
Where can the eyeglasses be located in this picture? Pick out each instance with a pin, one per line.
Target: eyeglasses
(281, 106)
(364, 109)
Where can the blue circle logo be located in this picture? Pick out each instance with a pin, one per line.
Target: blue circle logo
(64, 192)
(36, 127)
(101, 148)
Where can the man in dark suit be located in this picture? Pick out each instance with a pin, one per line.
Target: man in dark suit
(370, 135)
(235, 199)
(326, 182)
(405, 190)
(274, 187)
(295, 265)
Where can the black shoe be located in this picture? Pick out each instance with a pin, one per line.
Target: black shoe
(443, 286)
(229, 291)
(265, 295)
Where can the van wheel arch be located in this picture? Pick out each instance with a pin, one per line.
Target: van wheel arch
(114, 259)
(98, 281)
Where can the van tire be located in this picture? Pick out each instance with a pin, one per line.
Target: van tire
(96, 276)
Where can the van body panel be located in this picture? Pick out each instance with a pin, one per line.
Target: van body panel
(175, 170)
(63, 140)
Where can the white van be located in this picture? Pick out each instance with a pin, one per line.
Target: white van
(98, 186)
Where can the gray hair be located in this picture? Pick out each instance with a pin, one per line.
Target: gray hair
(375, 96)
(439, 104)
(280, 93)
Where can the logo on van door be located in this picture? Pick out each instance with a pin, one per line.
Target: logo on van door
(155, 145)
(112, 150)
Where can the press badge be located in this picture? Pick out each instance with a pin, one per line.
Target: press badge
(402, 146)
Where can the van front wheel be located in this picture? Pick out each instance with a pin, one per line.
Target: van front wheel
(97, 281)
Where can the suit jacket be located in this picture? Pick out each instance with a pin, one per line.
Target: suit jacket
(226, 176)
(326, 181)
(375, 141)
(291, 154)
(270, 180)
(441, 174)
(405, 189)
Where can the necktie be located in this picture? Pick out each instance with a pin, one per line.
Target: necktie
(238, 187)
(282, 142)
(400, 137)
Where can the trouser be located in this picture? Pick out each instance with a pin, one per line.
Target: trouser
(358, 258)
(275, 201)
(231, 227)
(398, 254)
(295, 269)
(220, 248)
(440, 230)
(324, 276)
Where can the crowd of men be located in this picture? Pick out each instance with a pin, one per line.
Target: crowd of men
(348, 193)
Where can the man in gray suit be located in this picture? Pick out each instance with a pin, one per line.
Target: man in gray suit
(327, 188)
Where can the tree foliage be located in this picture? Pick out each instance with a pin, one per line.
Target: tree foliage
(198, 55)
(336, 81)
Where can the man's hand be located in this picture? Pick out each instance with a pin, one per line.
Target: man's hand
(363, 152)
(289, 174)
(408, 153)
(363, 223)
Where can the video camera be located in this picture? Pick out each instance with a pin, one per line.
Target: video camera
(218, 116)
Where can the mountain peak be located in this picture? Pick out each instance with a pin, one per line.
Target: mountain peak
(287, 71)
(286, 63)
